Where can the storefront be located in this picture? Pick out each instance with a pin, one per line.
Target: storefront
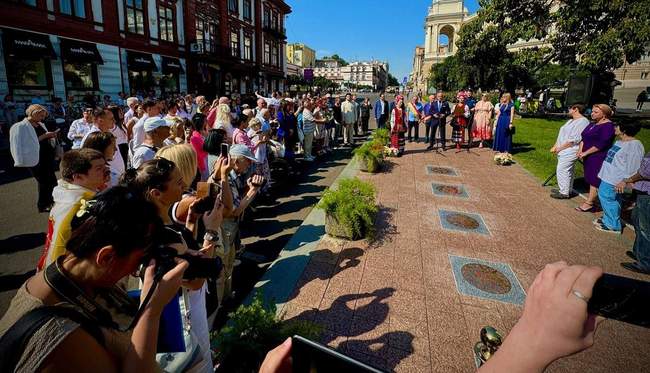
(170, 79)
(27, 58)
(80, 67)
(141, 68)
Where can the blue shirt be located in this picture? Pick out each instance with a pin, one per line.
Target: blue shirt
(418, 107)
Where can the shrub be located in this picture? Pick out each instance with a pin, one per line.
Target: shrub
(252, 331)
(352, 208)
(381, 135)
(371, 153)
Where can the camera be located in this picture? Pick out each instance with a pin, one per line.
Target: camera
(206, 192)
(165, 255)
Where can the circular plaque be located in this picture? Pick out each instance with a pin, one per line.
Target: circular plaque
(486, 278)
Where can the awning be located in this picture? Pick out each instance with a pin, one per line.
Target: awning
(78, 51)
(171, 65)
(27, 44)
(140, 61)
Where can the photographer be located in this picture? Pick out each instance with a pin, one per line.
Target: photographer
(110, 237)
(162, 183)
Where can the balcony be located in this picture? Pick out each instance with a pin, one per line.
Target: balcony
(280, 33)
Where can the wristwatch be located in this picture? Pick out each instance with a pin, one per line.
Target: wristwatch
(211, 235)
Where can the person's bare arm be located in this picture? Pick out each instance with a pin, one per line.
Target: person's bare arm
(66, 357)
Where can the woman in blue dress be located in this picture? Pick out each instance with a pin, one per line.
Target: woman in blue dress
(504, 126)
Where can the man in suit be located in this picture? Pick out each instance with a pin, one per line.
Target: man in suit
(438, 112)
(382, 111)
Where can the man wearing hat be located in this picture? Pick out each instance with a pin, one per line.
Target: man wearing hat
(156, 130)
(236, 197)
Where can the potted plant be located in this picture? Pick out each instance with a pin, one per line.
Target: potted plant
(370, 156)
(350, 210)
(381, 135)
(251, 332)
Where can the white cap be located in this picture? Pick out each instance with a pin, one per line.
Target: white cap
(151, 124)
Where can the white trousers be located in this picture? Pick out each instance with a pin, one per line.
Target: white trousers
(564, 171)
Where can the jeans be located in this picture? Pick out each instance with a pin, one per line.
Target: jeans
(641, 221)
(416, 126)
(610, 201)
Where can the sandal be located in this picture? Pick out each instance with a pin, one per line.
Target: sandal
(590, 209)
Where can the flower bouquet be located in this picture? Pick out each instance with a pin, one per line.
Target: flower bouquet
(503, 159)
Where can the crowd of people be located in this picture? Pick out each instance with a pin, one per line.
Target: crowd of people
(614, 164)
(156, 176)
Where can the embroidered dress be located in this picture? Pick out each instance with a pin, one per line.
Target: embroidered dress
(461, 112)
(398, 128)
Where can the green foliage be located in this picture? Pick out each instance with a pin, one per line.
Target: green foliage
(340, 60)
(371, 153)
(392, 80)
(254, 330)
(353, 206)
(323, 82)
(381, 135)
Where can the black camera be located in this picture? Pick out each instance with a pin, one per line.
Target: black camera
(164, 256)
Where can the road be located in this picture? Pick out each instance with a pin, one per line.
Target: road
(22, 227)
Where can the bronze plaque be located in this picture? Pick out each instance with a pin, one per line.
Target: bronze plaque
(441, 170)
(448, 189)
(462, 221)
(486, 278)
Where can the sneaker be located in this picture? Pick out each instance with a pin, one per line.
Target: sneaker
(597, 221)
(603, 228)
(630, 254)
(559, 195)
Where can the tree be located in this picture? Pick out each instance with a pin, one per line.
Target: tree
(340, 60)
(592, 35)
(324, 83)
(392, 81)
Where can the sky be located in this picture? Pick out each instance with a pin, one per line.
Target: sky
(362, 30)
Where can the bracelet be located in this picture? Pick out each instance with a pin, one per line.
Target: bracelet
(211, 236)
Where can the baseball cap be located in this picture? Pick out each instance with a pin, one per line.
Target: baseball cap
(151, 124)
(241, 150)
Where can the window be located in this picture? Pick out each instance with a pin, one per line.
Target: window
(248, 10)
(75, 8)
(274, 21)
(166, 23)
(27, 73)
(248, 47)
(169, 83)
(233, 6)
(644, 75)
(80, 76)
(206, 35)
(135, 16)
(266, 20)
(234, 43)
(276, 55)
(267, 53)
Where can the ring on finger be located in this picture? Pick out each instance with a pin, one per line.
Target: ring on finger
(579, 295)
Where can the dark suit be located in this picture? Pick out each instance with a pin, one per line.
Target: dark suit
(381, 118)
(439, 110)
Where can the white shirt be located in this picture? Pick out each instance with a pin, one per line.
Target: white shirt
(78, 128)
(623, 160)
(138, 132)
(120, 135)
(142, 154)
(348, 112)
(571, 132)
(127, 117)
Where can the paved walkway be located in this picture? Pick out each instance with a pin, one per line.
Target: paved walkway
(397, 303)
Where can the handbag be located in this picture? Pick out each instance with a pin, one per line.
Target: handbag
(512, 130)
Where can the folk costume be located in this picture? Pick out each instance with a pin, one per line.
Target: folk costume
(397, 130)
(460, 113)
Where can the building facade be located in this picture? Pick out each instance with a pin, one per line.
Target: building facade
(419, 75)
(367, 73)
(301, 55)
(75, 48)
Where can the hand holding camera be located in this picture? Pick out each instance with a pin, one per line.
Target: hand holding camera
(255, 182)
(167, 287)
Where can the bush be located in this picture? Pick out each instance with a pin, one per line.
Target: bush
(371, 154)
(381, 135)
(351, 209)
(252, 331)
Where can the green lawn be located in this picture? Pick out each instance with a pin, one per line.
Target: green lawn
(535, 137)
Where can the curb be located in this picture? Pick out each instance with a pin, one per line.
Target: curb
(280, 278)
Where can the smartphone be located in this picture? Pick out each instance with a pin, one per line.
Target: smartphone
(224, 150)
(311, 357)
(621, 298)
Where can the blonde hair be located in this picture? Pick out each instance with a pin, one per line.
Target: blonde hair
(607, 111)
(184, 158)
(223, 114)
(254, 123)
(506, 96)
(34, 109)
